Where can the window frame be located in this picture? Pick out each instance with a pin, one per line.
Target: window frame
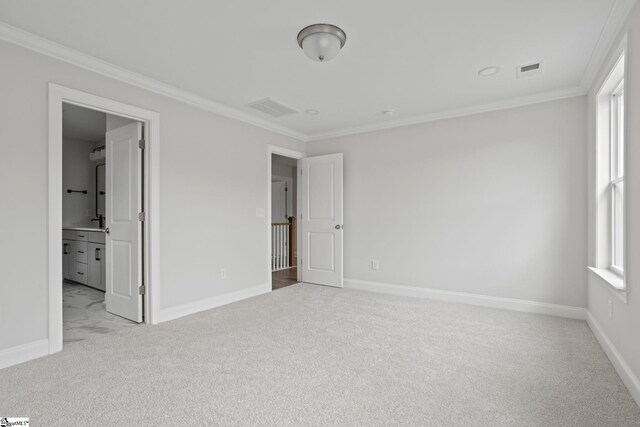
(609, 111)
(616, 164)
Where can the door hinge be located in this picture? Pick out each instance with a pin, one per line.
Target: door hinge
(141, 289)
(142, 144)
(142, 216)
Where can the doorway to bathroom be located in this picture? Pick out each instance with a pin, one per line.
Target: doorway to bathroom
(103, 197)
(90, 308)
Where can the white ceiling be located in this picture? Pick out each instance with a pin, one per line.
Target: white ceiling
(83, 124)
(418, 57)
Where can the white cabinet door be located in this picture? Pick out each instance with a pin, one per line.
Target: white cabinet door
(321, 219)
(69, 259)
(65, 259)
(96, 266)
(103, 269)
(123, 203)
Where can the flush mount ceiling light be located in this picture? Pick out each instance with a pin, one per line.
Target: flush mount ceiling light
(489, 71)
(321, 42)
(312, 112)
(389, 112)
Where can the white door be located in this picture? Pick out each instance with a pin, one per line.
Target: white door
(321, 219)
(123, 202)
(278, 197)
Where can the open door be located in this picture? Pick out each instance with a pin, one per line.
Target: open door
(123, 202)
(321, 219)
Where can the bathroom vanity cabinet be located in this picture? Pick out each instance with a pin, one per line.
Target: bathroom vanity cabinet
(83, 256)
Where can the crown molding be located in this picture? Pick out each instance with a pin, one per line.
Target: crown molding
(610, 32)
(47, 47)
(450, 114)
(616, 20)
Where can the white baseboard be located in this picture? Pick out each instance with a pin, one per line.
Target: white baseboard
(209, 303)
(471, 299)
(622, 368)
(23, 353)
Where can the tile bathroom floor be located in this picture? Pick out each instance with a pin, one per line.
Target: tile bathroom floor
(85, 314)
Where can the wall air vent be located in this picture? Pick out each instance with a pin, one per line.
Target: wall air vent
(271, 107)
(529, 69)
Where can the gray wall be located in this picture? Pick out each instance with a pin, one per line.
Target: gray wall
(115, 122)
(491, 204)
(623, 328)
(78, 173)
(204, 225)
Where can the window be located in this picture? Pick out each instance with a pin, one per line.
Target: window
(609, 178)
(616, 196)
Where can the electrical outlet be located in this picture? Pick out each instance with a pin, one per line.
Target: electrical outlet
(223, 273)
(610, 309)
(260, 213)
(375, 264)
(89, 213)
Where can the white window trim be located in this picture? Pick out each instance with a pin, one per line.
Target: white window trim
(603, 266)
(613, 282)
(614, 136)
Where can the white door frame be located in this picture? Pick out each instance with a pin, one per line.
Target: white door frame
(151, 244)
(274, 149)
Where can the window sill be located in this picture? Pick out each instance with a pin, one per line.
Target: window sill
(614, 282)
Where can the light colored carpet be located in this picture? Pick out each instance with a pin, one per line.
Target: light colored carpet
(311, 355)
(85, 315)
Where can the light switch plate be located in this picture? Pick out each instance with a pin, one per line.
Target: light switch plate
(259, 212)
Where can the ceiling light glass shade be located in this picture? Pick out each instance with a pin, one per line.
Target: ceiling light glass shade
(489, 71)
(321, 42)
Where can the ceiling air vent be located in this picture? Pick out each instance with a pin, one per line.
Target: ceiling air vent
(271, 107)
(529, 69)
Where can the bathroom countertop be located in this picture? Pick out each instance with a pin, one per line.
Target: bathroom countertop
(98, 230)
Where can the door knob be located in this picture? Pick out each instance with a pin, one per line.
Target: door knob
(338, 227)
(106, 230)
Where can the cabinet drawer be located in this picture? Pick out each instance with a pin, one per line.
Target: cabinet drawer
(82, 235)
(95, 237)
(68, 235)
(81, 273)
(81, 251)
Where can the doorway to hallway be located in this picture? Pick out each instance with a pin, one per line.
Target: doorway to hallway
(283, 221)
